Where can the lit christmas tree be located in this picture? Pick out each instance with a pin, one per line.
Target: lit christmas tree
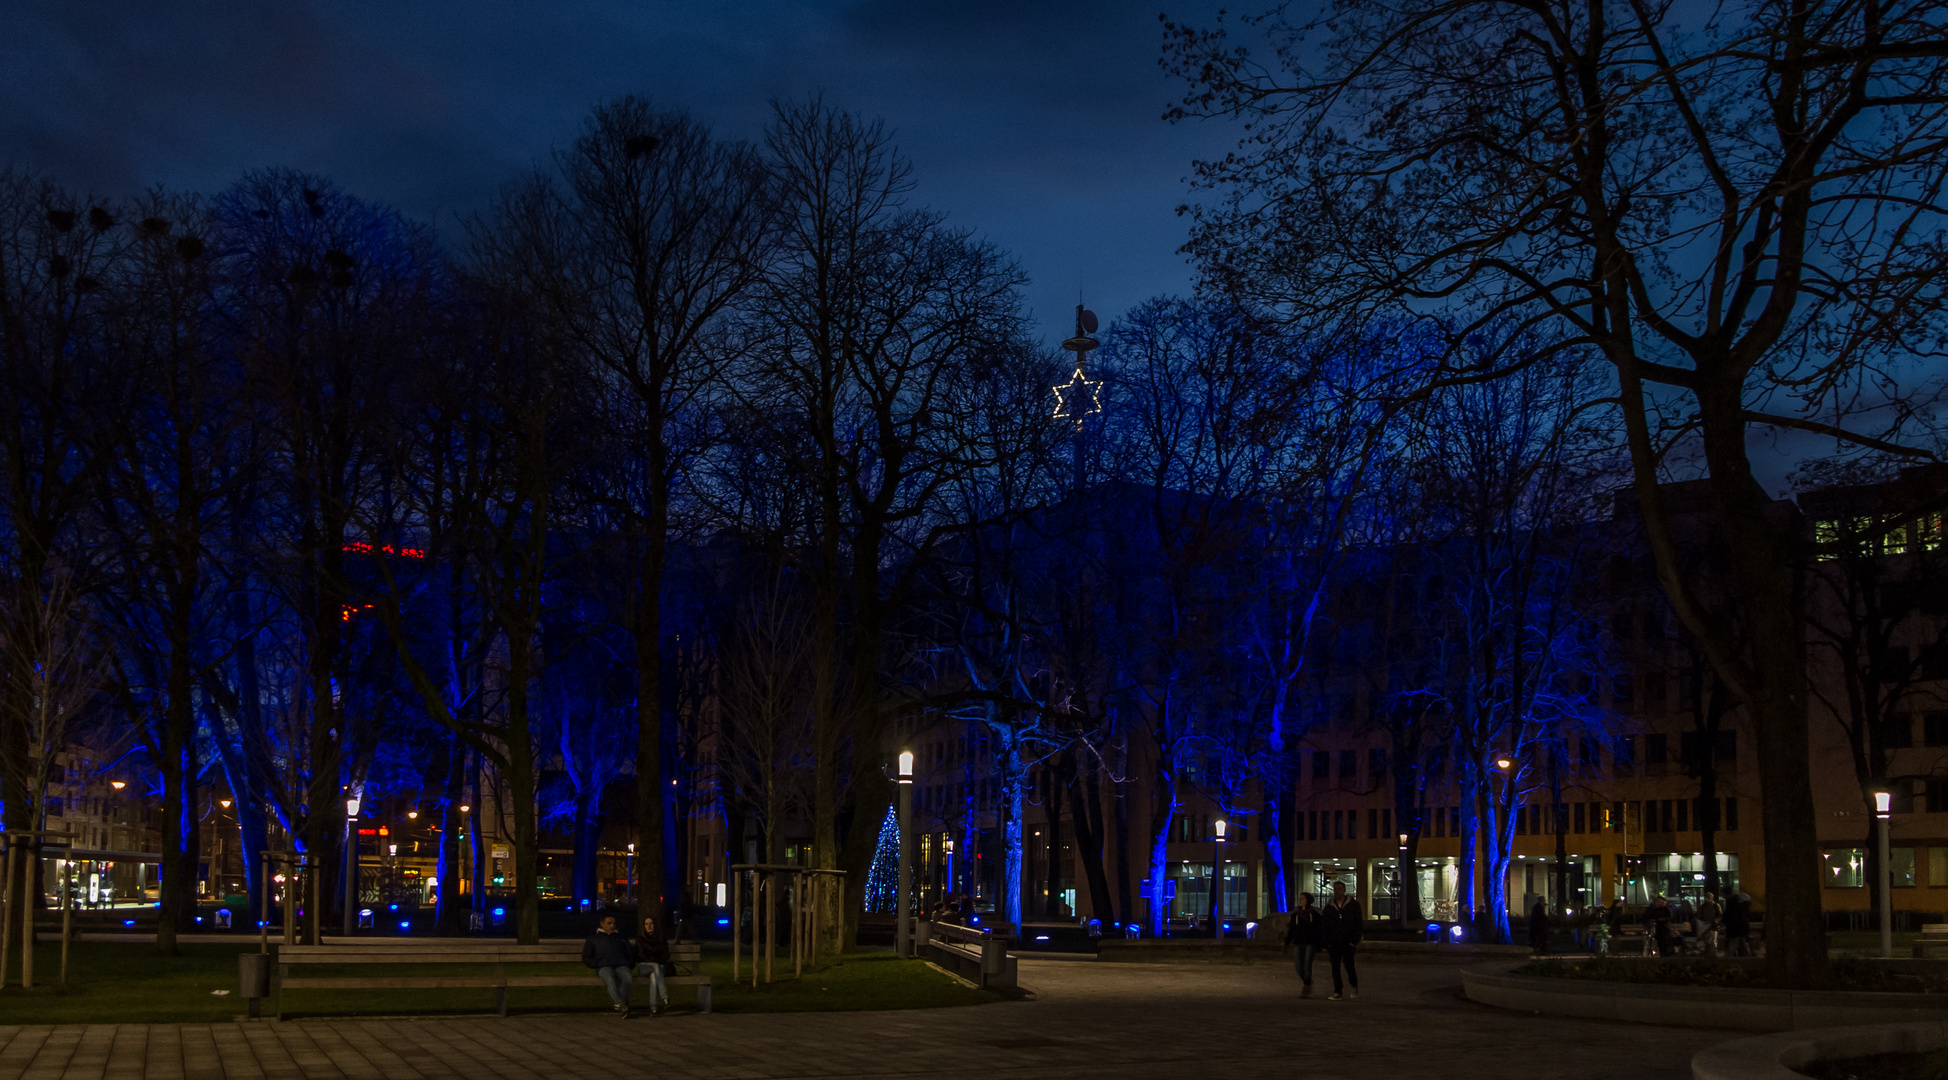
(883, 877)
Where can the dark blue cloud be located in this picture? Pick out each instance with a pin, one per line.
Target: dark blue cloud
(1035, 123)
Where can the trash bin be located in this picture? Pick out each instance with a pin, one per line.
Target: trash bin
(254, 978)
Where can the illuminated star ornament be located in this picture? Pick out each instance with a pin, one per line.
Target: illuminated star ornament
(1080, 397)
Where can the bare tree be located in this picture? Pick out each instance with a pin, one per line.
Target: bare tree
(1737, 213)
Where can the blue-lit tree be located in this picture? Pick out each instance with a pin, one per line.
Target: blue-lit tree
(883, 875)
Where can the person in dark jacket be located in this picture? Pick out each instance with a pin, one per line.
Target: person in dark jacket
(613, 959)
(1657, 925)
(653, 962)
(1738, 925)
(1341, 925)
(1539, 928)
(1302, 930)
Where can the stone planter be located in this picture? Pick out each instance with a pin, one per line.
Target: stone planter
(1779, 1057)
(1697, 1006)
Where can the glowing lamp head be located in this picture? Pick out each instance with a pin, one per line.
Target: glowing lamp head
(117, 784)
(225, 803)
(351, 806)
(1220, 828)
(906, 766)
(392, 849)
(1504, 762)
(464, 808)
(632, 849)
(412, 815)
(1883, 803)
(947, 845)
(1403, 841)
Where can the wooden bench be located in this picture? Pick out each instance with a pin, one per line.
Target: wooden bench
(689, 954)
(978, 956)
(482, 964)
(1933, 941)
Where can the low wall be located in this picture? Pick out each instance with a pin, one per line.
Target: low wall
(1696, 1006)
(1239, 951)
(1779, 1057)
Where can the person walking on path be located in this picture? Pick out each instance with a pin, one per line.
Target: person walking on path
(1738, 925)
(1657, 925)
(610, 954)
(1705, 924)
(1341, 925)
(652, 961)
(1539, 928)
(1302, 930)
(1613, 918)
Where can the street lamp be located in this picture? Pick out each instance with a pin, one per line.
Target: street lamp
(901, 942)
(1217, 879)
(351, 862)
(1883, 812)
(117, 784)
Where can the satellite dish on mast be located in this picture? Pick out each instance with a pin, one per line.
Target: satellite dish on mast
(1085, 320)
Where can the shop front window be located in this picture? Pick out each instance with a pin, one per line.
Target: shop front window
(1843, 868)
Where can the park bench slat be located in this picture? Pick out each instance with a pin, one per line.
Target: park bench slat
(400, 983)
(497, 954)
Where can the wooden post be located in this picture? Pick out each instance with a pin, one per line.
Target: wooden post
(29, 864)
(67, 912)
(290, 902)
(264, 905)
(736, 919)
(818, 898)
(6, 906)
(770, 927)
(316, 869)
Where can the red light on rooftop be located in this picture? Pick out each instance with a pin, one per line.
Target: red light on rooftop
(363, 548)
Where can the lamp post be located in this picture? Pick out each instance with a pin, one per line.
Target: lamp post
(1883, 813)
(947, 845)
(902, 944)
(1217, 879)
(351, 862)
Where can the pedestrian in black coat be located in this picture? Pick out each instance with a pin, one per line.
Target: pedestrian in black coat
(1302, 930)
(1342, 924)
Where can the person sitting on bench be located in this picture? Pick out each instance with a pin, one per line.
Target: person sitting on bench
(614, 959)
(653, 961)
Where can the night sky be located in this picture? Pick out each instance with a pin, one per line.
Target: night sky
(1036, 123)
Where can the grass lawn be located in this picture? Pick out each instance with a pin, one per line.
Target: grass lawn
(125, 983)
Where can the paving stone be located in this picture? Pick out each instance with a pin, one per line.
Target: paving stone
(1131, 1021)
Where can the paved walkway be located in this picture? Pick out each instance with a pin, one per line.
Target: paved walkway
(1089, 1020)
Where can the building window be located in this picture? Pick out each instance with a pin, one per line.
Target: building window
(1312, 824)
(1934, 728)
(1521, 821)
(1938, 867)
(1617, 823)
(1655, 751)
(1897, 731)
(1731, 814)
(1683, 815)
(1843, 868)
(1349, 764)
(1454, 821)
(1321, 765)
(1386, 821)
(1579, 817)
(1440, 822)
(1937, 795)
(1900, 867)
(1621, 698)
(1588, 754)
(1623, 755)
(1376, 764)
